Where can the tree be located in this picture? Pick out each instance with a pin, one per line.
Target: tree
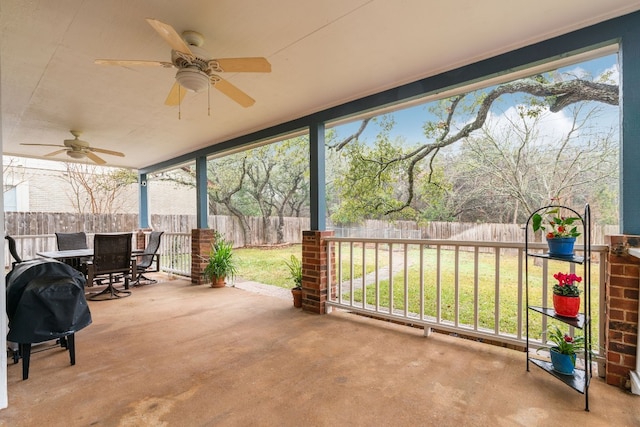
(515, 170)
(268, 180)
(97, 189)
(457, 118)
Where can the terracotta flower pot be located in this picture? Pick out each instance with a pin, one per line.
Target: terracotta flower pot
(297, 297)
(566, 306)
(218, 282)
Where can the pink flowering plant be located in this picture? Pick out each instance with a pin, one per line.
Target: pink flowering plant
(564, 343)
(567, 284)
(554, 224)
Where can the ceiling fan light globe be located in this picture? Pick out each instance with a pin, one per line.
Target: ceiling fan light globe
(75, 154)
(192, 79)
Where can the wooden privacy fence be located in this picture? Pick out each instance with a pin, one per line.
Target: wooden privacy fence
(41, 223)
(44, 223)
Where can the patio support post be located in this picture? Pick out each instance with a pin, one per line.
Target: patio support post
(143, 202)
(630, 129)
(317, 199)
(201, 239)
(314, 247)
(314, 270)
(202, 199)
(621, 323)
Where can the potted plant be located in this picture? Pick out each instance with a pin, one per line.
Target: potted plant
(221, 263)
(563, 353)
(295, 273)
(561, 232)
(566, 294)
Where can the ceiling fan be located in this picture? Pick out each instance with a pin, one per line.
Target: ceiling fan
(196, 69)
(78, 149)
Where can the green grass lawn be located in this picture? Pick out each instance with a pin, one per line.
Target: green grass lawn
(267, 266)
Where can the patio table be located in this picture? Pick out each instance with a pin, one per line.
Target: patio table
(72, 257)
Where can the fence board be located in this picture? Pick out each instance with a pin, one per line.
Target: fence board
(44, 223)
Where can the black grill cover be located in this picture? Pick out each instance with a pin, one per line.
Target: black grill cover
(45, 301)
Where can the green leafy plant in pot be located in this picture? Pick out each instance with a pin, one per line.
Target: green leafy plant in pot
(560, 231)
(295, 273)
(563, 352)
(221, 263)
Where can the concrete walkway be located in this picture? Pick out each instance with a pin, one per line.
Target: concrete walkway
(262, 289)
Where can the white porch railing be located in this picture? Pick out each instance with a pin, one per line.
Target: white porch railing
(475, 289)
(175, 253)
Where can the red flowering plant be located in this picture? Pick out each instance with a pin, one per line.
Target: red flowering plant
(567, 284)
(564, 343)
(554, 224)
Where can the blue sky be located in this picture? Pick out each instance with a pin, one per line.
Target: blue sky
(409, 121)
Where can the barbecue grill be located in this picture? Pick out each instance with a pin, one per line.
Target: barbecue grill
(45, 301)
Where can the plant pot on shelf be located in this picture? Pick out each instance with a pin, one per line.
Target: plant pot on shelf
(562, 363)
(561, 246)
(297, 297)
(566, 306)
(218, 282)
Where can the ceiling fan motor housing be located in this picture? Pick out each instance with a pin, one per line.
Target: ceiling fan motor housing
(193, 70)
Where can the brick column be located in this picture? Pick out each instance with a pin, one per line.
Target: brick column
(141, 240)
(623, 282)
(314, 271)
(201, 239)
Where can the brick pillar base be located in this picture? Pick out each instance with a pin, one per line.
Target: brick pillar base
(201, 239)
(141, 238)
(623, 282)
(314, 271)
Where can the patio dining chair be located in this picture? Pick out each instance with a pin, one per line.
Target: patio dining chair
(71, 241)
(111, 262)
(150, 256)
(13, 250)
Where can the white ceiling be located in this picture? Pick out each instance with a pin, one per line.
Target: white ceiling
(323, 53)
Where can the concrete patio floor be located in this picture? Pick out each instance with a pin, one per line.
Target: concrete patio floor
(174, 354)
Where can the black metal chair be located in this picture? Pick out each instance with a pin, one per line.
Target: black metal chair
(145, 262)
(70, 241)
(13, 250)
(111, 261)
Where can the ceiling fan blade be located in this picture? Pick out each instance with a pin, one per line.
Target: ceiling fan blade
(43, 145)
(102, 150)
(95, 158)
(169, 34)
(55, 153)
(233, 92)
(127, 63)
(176, 95)
(246, 65)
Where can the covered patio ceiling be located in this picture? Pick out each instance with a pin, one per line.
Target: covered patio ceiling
(322, 54)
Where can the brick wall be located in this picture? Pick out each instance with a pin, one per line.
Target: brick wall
(45, 189)
(314, 271)
(201, 239)
(623, 283)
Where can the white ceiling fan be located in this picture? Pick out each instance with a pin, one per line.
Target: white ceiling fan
(196, 69)
(78, 149)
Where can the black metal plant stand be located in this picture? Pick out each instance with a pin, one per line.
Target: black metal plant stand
(581, 378)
